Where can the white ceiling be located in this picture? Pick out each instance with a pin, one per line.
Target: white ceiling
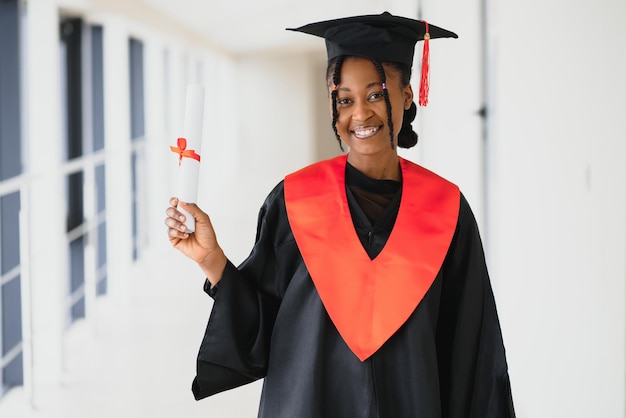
(252, 25)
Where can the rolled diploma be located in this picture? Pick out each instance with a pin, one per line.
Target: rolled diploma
(189, 169)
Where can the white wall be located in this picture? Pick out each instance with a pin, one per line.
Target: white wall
(557, 189)
(267, 134)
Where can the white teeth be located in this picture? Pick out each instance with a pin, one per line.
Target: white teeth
(365, 132)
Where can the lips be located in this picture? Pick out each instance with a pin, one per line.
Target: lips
(364, 132)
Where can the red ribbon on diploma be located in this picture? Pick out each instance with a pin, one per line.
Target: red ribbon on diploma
(183, 152)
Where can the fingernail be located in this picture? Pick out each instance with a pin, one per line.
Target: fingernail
(181, 217)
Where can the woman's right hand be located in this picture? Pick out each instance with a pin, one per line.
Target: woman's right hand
(201, 245)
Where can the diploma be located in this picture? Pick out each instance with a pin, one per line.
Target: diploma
(188, 150)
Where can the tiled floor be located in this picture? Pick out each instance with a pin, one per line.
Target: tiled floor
(137, 358)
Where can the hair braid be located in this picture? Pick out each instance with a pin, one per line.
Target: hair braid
(333, 97)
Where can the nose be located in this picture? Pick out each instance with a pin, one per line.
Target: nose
(361, 111)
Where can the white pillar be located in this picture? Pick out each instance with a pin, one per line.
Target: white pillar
(118, 164)
(48, 268)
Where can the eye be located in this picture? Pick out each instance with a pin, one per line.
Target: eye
(343, 101)
(376, 96)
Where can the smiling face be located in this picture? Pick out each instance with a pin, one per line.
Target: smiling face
(362, 116)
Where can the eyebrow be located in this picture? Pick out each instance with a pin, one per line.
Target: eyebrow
(369, 86)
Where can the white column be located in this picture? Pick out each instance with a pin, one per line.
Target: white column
(158, 154)
(48, 262)
(118, 164)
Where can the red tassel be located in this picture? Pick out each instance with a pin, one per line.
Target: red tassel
(424, 80)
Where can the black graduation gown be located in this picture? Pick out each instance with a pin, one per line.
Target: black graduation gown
(267, 321)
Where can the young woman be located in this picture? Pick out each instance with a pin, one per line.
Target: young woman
(366, 293)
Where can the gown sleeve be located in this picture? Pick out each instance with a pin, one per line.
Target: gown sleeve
(474, 378)
(235, 347)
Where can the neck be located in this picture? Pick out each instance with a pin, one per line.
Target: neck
(387, 168)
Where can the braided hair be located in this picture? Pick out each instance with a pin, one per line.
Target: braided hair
(407, 137)
(337, 62)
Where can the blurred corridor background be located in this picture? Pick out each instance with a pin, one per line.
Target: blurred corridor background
(100, 317)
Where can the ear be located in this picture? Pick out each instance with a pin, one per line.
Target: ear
(407, 92)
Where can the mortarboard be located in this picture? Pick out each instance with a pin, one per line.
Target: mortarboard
(383, 38)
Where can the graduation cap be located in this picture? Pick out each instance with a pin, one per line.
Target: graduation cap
(382, 38)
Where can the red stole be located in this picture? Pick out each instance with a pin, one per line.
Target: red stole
(369, 300)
